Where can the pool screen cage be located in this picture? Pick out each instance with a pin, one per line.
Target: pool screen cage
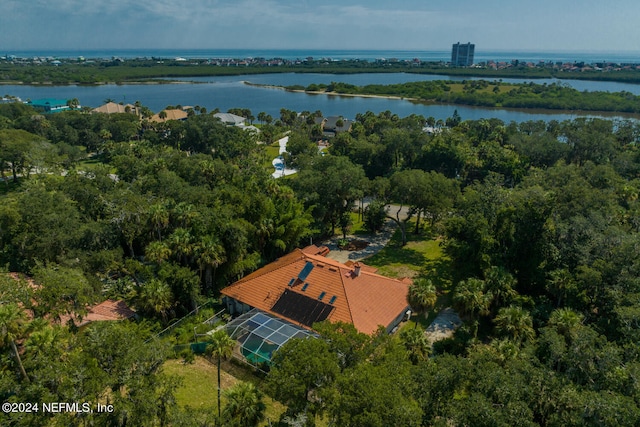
(260, 334)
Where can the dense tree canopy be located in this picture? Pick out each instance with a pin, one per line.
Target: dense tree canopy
(538, 221)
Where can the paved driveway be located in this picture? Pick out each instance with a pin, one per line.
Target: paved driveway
(376, 243)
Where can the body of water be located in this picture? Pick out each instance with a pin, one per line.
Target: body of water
(227, 92)
(620, 57)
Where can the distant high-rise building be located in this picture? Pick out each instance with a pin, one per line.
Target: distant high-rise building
(462, 54)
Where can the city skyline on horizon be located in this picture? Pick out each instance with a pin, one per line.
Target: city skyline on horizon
(354, 25)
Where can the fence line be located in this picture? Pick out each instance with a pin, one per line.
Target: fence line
(174, 324)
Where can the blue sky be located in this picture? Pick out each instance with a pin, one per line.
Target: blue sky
(543, 25)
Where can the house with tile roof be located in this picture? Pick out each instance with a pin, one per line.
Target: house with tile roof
(166, 115)
(107, 311)
(304, 287)
(113, 108)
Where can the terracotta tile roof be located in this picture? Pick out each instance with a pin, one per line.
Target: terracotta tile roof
(105, 311)
(316, 250)
(366, 300)
(109, 310)
(364, 267)
(112, 107)
(171, 115)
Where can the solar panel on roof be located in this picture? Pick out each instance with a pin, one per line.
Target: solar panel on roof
(300, 308)
(304, 273)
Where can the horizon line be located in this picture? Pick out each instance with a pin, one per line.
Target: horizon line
(489, 49)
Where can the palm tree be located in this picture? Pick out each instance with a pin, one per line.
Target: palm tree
(501, 284)
(416, 344)
(245, 407)
(515, 322)
(159, 216)
(471, 299)
(12, 323)
(73, 103)
(156, 297)
(157, 252)
(221, 347)
(181, 242)
(566, 321)
(210, 253)
(422, 296)
(503, 349)
(185, 214)
(560, 282)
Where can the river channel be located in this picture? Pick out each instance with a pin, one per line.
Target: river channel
(230, 91)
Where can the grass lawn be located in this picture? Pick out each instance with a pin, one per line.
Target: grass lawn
(357, 226)
(95, 164)
(421, 255)
(199, 389)
(272, 152)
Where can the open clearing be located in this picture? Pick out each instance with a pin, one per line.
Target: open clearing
(199, 388)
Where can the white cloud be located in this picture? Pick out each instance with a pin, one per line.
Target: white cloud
(360, 24)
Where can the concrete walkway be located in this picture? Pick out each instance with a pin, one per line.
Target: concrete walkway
(282, 142)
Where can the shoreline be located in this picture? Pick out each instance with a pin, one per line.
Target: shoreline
(161, 81)
(317, 92)
(549, 111)
(356, 95)
(141, 82)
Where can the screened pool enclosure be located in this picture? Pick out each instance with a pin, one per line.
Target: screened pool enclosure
(260, 334)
